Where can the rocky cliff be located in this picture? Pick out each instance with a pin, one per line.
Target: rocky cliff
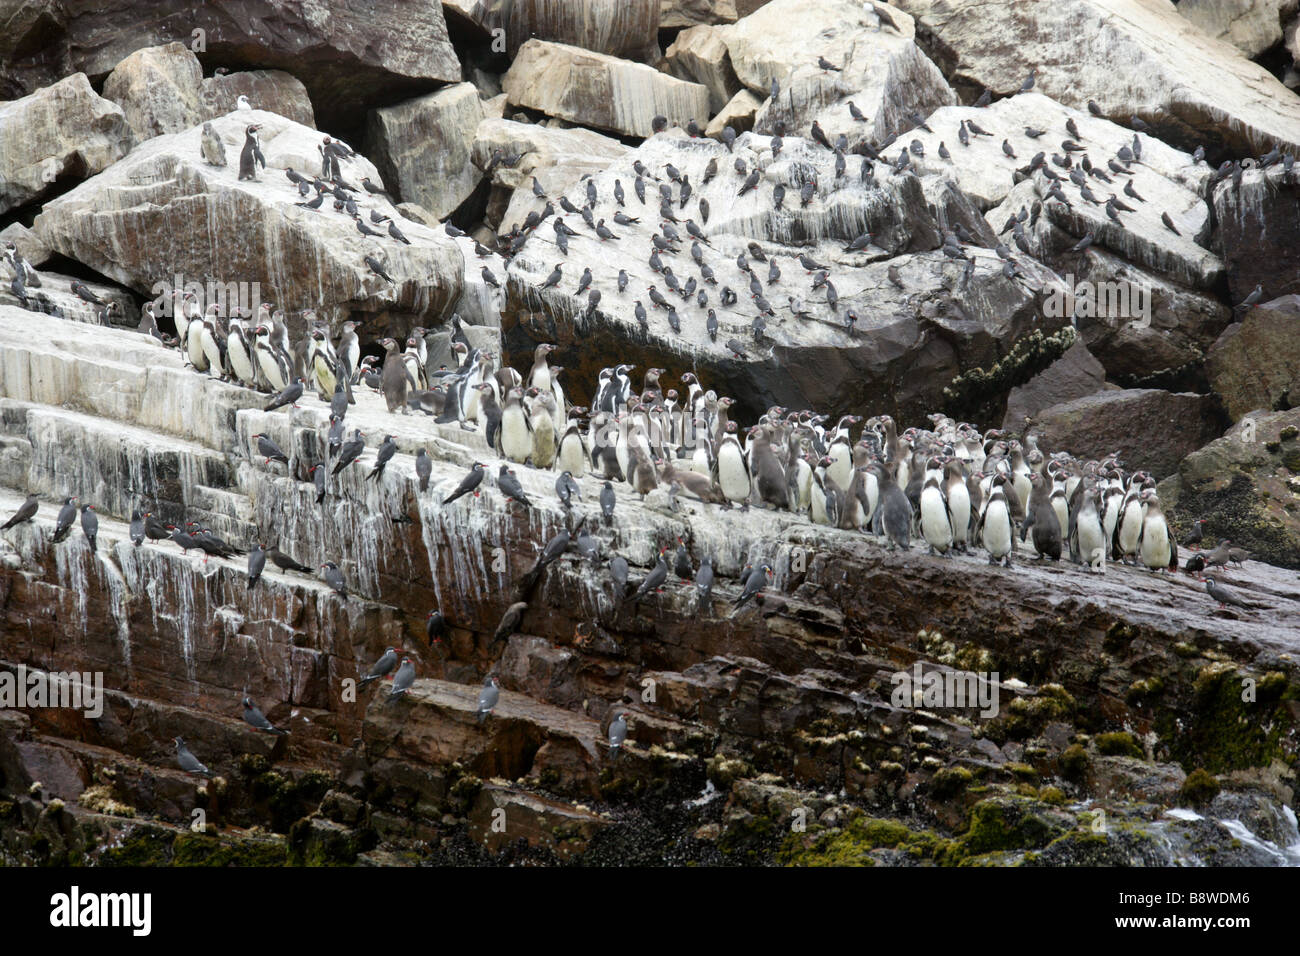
(1116, 718)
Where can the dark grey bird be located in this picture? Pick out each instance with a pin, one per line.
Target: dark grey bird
(334, 578)
(1224, 595)
(509, 484)
(468, 484)
(656, 579)
(269, 450)
(553, 279)
(289, 396)
(386, 664)
(387, 449)
(26, 511)
(187, 761)
(402, 680)
(617, 734)
(566, 489)
(1255, 295)
(89, 525)
(753, 585)
(1169, 223)
(488, 698)
(256, 564)
(375, 267)
(256, 719)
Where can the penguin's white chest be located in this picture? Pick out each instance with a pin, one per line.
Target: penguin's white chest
(934, 519)
(959, 510)
(732, 476)
(516, 444)
(1155, 542)
(996, 536)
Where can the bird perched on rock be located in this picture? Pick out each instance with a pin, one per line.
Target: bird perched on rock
(654, 580)
(211, 148)
(188, 762)
(386, 664)
(617, 734)
(269, 450)
(26, 511)
(256, 719)
(402, 680)
(488, 697)
(386, 452)
(334, 578)
(1226, 596)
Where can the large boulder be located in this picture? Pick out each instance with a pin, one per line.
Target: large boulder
(1165, 178)
(881, 70)
(158, 89)
(63, 132)
(1192, 88)
(1256, 362)
(1252, 28)
(161, 89)
(350, 56)
(163, 213)
(628, 28)
(422, 147)
(911, 338)
(273, 90)
(700, 56)
(1076, 374)
(601, 91)
(1146, 329)
(558, 158)
(1244, 485)
(1150, 428)
(689, 13)
(1259, 226)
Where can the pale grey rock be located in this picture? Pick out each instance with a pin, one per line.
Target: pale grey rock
(422, 147)
(600, 91)
(61, 132)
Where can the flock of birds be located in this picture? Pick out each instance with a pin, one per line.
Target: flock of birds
(949, 485)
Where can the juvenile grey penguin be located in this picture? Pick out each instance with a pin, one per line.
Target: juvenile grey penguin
(1041, 517)
(394, 377)
(211, 147)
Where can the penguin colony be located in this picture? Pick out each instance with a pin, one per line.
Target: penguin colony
(950, 485)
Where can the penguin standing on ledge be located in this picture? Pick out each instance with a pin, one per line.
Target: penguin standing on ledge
(211, 147)
(251, 154)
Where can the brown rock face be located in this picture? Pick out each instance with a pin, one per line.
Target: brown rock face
(1144, 425)
(1076, 374)
(1255, 364)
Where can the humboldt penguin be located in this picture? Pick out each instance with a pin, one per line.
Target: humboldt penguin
(994, 527)
(1041, 517)
(769, 476)
(394, 377)
(732, 472)
(937, 526)
(572, 455)
(211, 147)
(515, 437)
(957, 495)
(251, 154)
(894, 513)
(540, 415)
(1087, 537)
(1156, 546)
